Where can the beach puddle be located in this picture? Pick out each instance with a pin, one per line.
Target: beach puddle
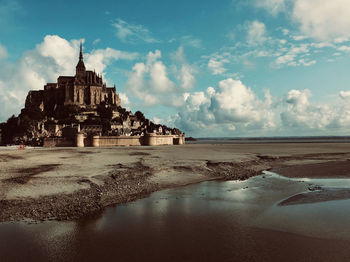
(210, 221)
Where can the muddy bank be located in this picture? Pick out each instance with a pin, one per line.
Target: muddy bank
(123, 184)
(329, 169)
(67, 184)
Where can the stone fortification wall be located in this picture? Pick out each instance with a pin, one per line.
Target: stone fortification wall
(107, 141)
(58, 142)
(158, 140)
(147, 140)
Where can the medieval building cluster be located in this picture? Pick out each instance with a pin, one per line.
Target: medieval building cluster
(84, 105)
(85, 89)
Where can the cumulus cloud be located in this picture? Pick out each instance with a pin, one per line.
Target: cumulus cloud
(52, 57)
(150, 82)
(131, 33)
(232, 109)
(322, 20)
(256, 32)
(300, 114)
(229, 106)
(125, 100)
(183, 71)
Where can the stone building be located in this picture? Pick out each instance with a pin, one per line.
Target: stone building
(85, 89)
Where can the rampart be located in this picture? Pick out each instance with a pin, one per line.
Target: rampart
(109, 141)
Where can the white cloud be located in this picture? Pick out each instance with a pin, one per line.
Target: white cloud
(294, 56)
(159, 78)
(150, 81)
(299, 37)
(323, 19)
(230, 106)
(158, 120)
(285, 59)
(183, 71)
(299, 113)
(234, 109)
(125, 100)
(320, 19)
(96, 41)
(256, 32)
(3, 52)
(344, 94)
(52, 57)
(273, 6)
(307, 63)
(217, 66)
(344, 48)
(98, 59)
(131, 33)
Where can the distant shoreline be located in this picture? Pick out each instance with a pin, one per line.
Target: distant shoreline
(330, 139)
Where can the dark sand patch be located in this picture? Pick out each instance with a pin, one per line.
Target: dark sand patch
(139, 154)
(26, 174)
(8, 157)
(88, 152)
(330, 169)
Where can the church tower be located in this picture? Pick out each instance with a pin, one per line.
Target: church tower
(80, 68)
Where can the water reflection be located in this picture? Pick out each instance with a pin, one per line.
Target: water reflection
(211, 221)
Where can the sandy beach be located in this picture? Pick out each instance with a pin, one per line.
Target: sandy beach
(69, 183)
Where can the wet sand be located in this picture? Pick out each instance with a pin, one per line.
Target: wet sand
(329, 169)
(69, 183)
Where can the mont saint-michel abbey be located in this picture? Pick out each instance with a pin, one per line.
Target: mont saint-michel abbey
(81, 111)
(86, 88)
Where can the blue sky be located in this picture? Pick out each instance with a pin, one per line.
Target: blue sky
(228, 68)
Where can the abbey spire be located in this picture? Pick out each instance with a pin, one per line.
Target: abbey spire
(80, 68)
(81, 52)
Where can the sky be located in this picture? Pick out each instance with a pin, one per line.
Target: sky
(228, 68)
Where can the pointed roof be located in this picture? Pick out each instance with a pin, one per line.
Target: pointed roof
(81, 62)
(81, 51)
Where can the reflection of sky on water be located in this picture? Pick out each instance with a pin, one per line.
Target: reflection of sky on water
(330, 219)
(327, 219)
(328, 182)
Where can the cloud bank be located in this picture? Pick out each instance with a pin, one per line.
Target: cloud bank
(233, 109)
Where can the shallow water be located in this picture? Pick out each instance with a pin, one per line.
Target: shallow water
(211, 221)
